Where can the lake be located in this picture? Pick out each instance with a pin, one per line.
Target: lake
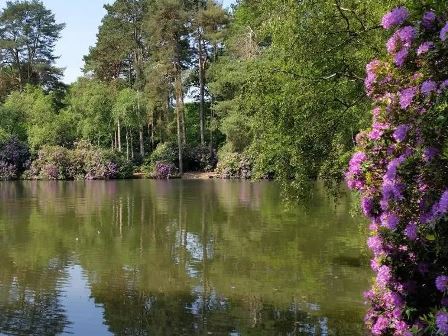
(180, 257)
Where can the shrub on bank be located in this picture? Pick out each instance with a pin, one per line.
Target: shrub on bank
(233, 165)
(198, 158)
(14, 158)
(85, 161)
(164, 170)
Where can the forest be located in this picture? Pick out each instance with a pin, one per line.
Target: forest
(266, 89)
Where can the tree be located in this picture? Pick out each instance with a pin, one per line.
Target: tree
(129, 111)
(34, 112)
(292, 76)
(28, 33)
(121, 49)
(90, 104)
(208, 23)
(169, 43)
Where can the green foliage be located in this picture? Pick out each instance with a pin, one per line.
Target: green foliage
(233, 164)
(30, 114)
(120, 49)
(289, 90)
(28, 32)
(129, 108)
(90, 103)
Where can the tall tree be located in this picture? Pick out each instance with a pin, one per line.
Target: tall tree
(169, 44)
(90, 102)
(28, 33)
(208, 23)
(121, 48)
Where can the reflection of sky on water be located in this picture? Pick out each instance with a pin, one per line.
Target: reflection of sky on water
(86, 318)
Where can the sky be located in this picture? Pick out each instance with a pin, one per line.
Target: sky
(82, 18)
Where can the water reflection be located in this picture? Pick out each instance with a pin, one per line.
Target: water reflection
(176, 258)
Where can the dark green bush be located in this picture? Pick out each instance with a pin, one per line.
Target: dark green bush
(14, 158)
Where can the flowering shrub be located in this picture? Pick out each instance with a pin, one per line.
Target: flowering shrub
(85, 161)
(164, 170)
(14, 158)
(401, 171)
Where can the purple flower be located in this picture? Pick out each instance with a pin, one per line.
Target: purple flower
(444, 85)
(444, 32)
(442, 283)
(400, 43)
(429, 153)
(395, 17)
(424, 48)
(377, 130)
(390, 190)
(406, 35)
(371, 78)
(390, 220)
(442, 322)
(393, 299)
(376, 111)
(428, 87)
(428, 19)
(400, 57)
(356, 161)
(392, 167)
(393, 44)
(375, 244)
(384, 275)
(369, 295)
(367, 206)
(373, 66)
(380, 326)
(400, 133)
(402, 329)
(411, 231)
(406, 97)
(443, 203)
(374, 264)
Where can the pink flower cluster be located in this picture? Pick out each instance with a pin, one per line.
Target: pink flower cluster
(403, 179)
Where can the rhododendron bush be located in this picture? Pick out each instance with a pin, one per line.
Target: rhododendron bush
(400, 169)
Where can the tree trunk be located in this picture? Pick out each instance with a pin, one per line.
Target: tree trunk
(127, 144)
(151, 133)
(119, 135)
(179, 108)
(142, 146)
(184, 131)
(201, 87)
(132, 144)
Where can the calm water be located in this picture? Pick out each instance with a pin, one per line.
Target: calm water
(177, 258)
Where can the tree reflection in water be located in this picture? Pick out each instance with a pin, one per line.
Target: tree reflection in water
(180, 258)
